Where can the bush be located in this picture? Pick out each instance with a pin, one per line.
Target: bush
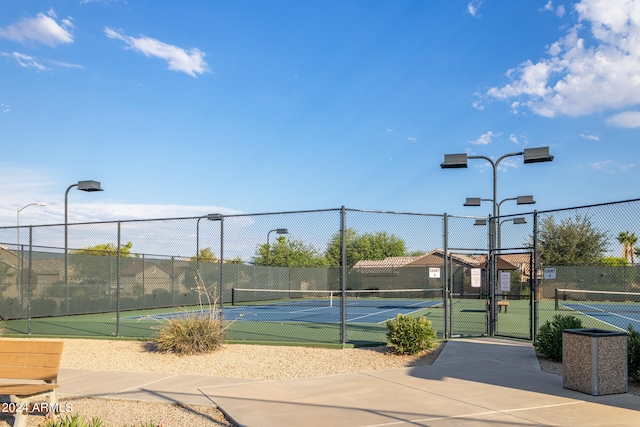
(410, 335)
(187, 334)
(550, 335)
(193, 333)
(634, 354)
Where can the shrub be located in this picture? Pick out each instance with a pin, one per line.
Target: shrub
(193, 333)
(410, 335)
(550, 335)
(634, 354)
(202, 332)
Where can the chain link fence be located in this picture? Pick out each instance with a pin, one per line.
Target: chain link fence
(324, 276)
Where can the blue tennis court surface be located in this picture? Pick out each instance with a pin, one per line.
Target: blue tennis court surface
(314, 314)
(616, 315)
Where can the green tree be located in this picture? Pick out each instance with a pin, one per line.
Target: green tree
(94, 265)
(105, 249)
(366, 246)
(285, 252)
(628, 242)
(206, 255)
(573, 241)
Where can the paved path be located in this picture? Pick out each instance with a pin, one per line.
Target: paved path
(475, 382)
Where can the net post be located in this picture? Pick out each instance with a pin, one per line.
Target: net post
(557, 304)
(233, 296)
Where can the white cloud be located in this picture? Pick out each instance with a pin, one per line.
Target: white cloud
(627, 119)
(412, 139)
(579, 79)
(190, 62)
(611, 166)
(485, 138)
(41, 29)
(26, 61)
(559, 11)
(4, 108)
(591, 137)
(473, 8)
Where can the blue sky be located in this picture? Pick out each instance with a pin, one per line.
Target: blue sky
(186, 108)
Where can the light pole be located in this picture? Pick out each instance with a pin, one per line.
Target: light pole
(520, 200)
(88, 186)
(279, 231)
(19, 281)
(212, 217)
(18, 216)
(456, 161)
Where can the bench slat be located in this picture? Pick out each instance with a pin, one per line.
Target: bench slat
(15, 345)
(25, 389)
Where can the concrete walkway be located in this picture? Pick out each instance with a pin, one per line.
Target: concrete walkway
(475, 382)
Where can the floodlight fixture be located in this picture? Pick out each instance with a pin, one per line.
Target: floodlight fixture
(88, 186)
(537, 155)
(520, 220)
(525, 200)
(473, 201)
(454, 161)
(480, 222)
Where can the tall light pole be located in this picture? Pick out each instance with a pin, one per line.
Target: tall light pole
(88, 186)
(212, 217)
(279, 231)
(456, 161)
(19, 280)
(520, 200)
(18, 216)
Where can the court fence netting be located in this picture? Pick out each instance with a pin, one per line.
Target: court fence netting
(119, 278)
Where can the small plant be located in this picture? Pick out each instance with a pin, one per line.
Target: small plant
(76, 420)
(634, 354)
(550, 335)
(193, 332)
(410, 335)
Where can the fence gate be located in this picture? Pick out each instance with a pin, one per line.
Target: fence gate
(514, 295)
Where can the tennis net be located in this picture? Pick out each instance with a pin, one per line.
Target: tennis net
(420, 298)
(593, 301)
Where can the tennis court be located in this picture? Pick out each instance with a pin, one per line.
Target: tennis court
(615, 309)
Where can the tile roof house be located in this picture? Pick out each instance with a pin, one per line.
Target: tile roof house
(413, 272)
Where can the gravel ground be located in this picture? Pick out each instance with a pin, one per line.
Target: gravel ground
(235, 361)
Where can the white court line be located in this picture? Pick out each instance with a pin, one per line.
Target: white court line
(605, 311)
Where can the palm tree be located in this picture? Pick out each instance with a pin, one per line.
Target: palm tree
(628, 242)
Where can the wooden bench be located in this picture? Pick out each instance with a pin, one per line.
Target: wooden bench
(504, 304)
(500, 304)
(33, 365)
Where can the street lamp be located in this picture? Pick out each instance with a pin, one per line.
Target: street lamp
(456, 161)
(279, 231)
(88, 186)
(19, 249)
(18, 215)
(210, 217)
(520, 200)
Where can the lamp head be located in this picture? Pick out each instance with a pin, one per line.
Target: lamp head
(537, 155)
(454, 161)
(473, 201)
(89, 186)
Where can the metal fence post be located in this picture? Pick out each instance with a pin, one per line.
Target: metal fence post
(343, 275)
(445, 275)
(534, 272)
(29, 276)
(118, 284)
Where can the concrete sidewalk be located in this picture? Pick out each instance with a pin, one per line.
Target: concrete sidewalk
(474, 382)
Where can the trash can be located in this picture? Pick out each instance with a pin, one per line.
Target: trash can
(594, 361)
